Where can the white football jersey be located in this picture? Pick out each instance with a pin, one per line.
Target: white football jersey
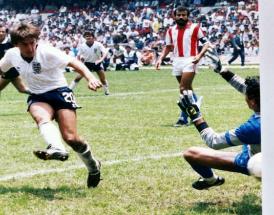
(118, 52)
(92, 53)
(44, 72)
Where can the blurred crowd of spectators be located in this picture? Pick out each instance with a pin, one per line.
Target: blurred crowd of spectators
(141, 25)
(221, 24)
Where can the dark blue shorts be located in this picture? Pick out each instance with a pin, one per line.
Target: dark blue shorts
(60, 98)
(94, 67)
(241, 160)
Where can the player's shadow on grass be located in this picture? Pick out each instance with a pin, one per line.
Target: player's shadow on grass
(45, 193)
(247, 205)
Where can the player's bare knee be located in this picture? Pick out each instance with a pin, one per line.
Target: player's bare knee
(191, 153)
(187, 154)
(182, 88)
(70, 139)
(75, 143)
(41, 120)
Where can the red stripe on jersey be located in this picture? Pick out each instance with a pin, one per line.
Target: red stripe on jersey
(180, 42)
(170, 35)
(194, 41)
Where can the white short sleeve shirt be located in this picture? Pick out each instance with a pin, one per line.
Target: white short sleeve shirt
(44, 73)
(92, 53)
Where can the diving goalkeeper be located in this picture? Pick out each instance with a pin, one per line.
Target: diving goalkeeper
(248, 134)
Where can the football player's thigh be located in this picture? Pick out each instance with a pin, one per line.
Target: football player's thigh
(66, 119)
(179, 77)
(213, 158)
(4, 83)
(186, 80)
(41, 112)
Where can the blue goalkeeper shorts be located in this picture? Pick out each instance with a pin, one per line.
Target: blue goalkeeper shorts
(241, 160)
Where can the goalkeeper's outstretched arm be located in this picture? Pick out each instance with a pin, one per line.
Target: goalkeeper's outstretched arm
(235, 81)
(213, 139)
(216, 140)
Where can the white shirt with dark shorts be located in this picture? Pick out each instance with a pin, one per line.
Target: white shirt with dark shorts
(91, 54)
(44, 75)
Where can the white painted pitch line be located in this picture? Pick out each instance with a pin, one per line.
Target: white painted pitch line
(251, 66)
(141, 92)
(113, 94)
(30, 174)
(125, 94)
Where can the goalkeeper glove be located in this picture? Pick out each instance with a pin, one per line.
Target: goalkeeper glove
(215, 62)
(188, 105)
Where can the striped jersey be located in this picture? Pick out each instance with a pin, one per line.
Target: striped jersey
(184, 40)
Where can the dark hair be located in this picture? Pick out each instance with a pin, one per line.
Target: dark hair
(180, 9)
(24, 31)
(88, 34)
(253, 89)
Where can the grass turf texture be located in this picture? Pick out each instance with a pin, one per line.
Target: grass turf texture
(129, 126)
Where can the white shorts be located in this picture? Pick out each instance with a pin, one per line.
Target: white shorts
(183, 64)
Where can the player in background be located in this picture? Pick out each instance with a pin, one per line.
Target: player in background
(130, 59)
(92, 53)
(118, 56)
(5, 44)
(183, 39)
(41, 67)
(248, 134)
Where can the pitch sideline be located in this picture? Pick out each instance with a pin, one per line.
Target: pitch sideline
(30, 174)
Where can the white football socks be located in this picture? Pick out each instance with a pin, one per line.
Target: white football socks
(51, 135)
(212, 179)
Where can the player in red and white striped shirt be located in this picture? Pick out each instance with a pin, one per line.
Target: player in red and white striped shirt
(183, 39)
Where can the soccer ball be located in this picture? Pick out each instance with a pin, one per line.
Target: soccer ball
(254, 165)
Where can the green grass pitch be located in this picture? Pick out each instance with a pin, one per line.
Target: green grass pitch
(131, 132)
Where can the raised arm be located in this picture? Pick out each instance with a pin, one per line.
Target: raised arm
(234, 80)
(212, 139)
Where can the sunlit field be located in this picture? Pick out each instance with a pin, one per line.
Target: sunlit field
(131, 132)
